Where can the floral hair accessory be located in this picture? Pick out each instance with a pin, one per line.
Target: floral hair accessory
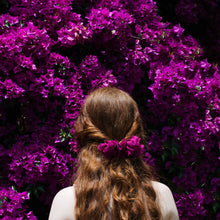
(122, 149)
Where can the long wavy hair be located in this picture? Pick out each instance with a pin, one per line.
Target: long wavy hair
(109, 188)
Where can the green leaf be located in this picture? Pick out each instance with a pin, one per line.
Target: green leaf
(164, 156)
(13, 187)
(199, 88)
(63, 139)
(216, 207)
(198, 51)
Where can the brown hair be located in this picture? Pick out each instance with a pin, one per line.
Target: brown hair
(111, 188)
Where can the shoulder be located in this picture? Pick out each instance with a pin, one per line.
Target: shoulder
(161, 188)
(166, 201)
(62, 207)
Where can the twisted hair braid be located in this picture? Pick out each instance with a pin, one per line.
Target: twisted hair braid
(111, 188)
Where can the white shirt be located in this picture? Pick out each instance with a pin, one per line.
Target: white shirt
(64, 202)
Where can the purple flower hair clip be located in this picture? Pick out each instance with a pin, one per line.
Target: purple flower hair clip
(122, 149)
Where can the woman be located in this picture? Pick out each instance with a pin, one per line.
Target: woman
(112, 182)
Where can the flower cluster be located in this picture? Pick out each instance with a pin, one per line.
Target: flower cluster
(200, 18)
(193, 205)
(29, 167)
(122, 149)
(53, 53)
(13, 205)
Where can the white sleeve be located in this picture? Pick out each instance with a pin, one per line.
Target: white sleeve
(63, 204)
(166, 201)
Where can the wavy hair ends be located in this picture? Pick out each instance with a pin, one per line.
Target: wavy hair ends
(108, 188)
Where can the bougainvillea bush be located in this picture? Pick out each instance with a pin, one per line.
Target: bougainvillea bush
(52, 53)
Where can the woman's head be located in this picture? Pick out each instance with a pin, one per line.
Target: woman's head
(123, 185)
(108, 114)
